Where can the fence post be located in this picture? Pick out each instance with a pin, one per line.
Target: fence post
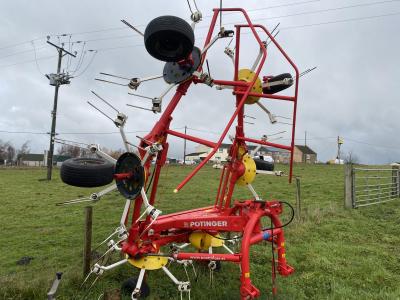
(348, 186)
(395, 181)
(298, 199)
(398, 182)
(87, 240)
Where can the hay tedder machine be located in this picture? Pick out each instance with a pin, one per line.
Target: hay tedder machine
(147, 238)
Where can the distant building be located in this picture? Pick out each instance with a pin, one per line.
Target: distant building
(222, 154)
(39, 160)
(301, 154)
(304, 154)
(196, 156)
(31, 160)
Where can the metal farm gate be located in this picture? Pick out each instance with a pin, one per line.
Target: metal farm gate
(367, 186)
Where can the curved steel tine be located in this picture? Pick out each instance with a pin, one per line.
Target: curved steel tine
(79, 200)
(89, 288)
(86, 278)
(106, 239)
(116, 76)
(94, 281)
(104, 255)
(112, 82)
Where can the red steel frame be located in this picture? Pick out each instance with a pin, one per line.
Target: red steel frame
(243, 217)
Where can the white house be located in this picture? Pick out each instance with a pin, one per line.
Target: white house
(222, 154)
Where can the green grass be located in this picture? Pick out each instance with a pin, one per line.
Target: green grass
(337, 253)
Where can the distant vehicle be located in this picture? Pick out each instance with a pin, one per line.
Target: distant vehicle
(264, 163)
(335, 162)
(189, 162)
(217, 166)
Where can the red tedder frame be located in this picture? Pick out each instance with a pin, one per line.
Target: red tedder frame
(242, 217)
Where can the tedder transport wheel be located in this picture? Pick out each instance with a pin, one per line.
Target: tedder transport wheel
(264, 165)
(87, 172)
(169, 38)
(129, 285)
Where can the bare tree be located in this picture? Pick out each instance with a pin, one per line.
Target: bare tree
(25, 149)
(7, 152)
(115, 153)
(69, 150)
(10, 152)
(351, 158)
(2, 152)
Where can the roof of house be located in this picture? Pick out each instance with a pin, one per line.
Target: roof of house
(31, 157)
(252, 147)
(61, 158)
(305, 149)
(195, 154)
(40, 157)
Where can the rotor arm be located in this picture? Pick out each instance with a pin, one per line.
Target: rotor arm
(218, 144)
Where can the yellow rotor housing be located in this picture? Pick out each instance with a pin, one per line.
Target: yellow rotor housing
(149, 262)
(248, 75)
(250, 170)
(203, 240)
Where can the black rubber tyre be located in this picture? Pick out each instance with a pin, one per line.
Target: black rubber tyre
(280, 87)
(129, 285)
(263, 165)
(169, 38)
(87, 172)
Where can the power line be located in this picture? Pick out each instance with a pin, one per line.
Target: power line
(21, 43)
(206, 131)
(256, 19)
(112, 38)
(342, 21)
(315, 11)
(27, 61)
(21, 52)
(101, 30)
(88, 65)
(80, 59)
(121, 47)
(143, 25)
(293, 27)
(193, 129)
(273, 6)
(22, 132)
(372, 145)
(36, 61)
(283, 28)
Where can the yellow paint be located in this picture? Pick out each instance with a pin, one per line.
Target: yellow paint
(283, 244)
(247, 275)
(284, 255)
(216, 242)
(248, 76)
(250, 171)
(149, 262)
(241, 152)
(203, 241)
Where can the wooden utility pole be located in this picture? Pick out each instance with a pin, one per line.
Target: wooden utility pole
(339, 143)
(56, 80)
(184, 148)
(305, 138)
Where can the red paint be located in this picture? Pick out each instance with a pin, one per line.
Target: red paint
(239, 218)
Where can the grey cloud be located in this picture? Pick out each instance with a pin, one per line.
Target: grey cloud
(353, 93)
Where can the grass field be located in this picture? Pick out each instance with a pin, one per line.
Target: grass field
(337, 253)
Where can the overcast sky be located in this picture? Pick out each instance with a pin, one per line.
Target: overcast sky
(353, 92)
